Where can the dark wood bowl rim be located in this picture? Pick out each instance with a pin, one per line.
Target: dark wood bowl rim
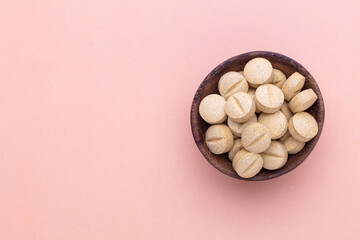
(289, 62)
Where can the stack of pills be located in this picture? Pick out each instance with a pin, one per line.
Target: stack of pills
(265, 117)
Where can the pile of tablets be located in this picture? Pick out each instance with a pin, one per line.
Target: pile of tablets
(265, 116)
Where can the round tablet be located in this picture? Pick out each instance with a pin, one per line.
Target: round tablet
(293, 146)
(232, 82)
(276, 122)
(212, 109)
(237, 128)
(275, 156)
(303, 127)
(219, 139)
(302, 101)
(247, 164)
(251, 92)
(258, 71)
(269, 98)
(286, 110)
(293, 85)
(279, 78)
(240, 107)
(256, 138)
(235, 149)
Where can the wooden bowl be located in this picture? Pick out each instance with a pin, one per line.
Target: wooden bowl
(210, 85)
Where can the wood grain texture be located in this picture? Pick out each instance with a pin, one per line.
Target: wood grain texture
(210, 85)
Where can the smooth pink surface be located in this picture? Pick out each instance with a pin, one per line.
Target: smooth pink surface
(95, 132)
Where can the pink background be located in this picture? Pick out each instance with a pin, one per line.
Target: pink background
(95, 132)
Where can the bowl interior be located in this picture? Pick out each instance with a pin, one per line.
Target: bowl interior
(210, 85)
